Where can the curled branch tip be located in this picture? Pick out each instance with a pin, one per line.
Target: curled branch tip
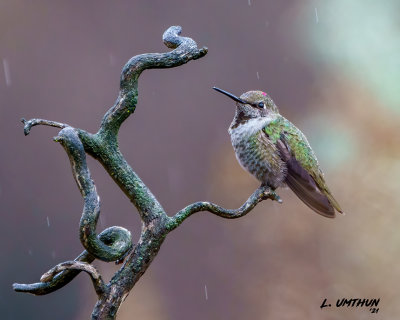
(185, 49)
(110, 237)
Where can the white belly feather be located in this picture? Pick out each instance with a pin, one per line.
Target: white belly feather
(256, 153)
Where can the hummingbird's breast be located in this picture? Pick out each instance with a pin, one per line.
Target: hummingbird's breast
(256, 153)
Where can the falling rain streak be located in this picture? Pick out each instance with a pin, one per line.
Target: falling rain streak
(258, 76)
(316, 15)
(7, 75)
(205, 291)
(249, 2)
(112, 59)
(48, 222)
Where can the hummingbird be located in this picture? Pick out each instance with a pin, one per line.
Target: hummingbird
(276, 152)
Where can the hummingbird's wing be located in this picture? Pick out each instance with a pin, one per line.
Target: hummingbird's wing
(304, 176)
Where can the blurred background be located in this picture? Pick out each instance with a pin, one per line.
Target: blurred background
(333, 69)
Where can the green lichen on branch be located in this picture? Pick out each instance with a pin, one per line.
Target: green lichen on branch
(115, 244)
(69, 139)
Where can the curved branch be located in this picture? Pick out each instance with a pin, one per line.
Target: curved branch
(35, 122)
(98, 282)
(69, 139)
(185, 49)
(262, 193)
(109, 237)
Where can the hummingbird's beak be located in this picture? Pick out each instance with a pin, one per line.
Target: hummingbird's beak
(230, 95)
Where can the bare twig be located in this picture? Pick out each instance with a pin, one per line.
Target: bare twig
(35, 122)
(98, 282)
(262, 193)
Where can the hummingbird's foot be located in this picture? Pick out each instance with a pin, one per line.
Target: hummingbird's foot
(269, 193)
(274, 196)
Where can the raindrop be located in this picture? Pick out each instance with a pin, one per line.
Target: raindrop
(103, 220)
(258, 76)
(7, 75)
(48, 222)
(30, 252)
(174, 179)
(249, 2)
(316, 15)
(205, 291)
(112, 59)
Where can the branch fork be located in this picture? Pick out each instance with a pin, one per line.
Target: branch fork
(115, 243)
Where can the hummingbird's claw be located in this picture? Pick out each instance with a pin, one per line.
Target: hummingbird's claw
(274, 196)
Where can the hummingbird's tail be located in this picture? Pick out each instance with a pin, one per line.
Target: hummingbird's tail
(333, 201)
(311, 195)
(315, 195)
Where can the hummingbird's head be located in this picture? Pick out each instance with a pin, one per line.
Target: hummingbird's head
(252, 104)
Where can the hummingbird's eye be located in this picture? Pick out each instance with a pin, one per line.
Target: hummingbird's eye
(261, 105)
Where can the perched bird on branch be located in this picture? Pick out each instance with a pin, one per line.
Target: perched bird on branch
(276, 152)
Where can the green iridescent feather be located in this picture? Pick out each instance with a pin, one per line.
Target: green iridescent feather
(297, 143)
